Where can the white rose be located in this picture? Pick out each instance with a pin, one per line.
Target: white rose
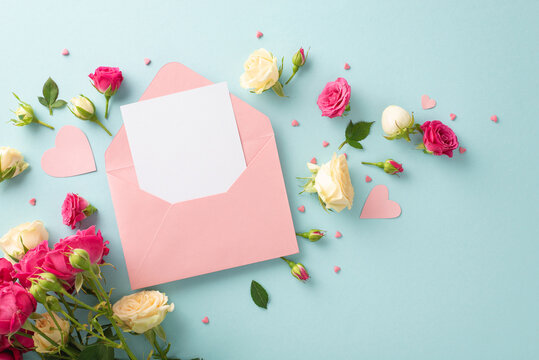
(24, 114)
(261, 71)
(82, 107)
(9, 158)
(27, 235)
(142, 311)
(47, 325)
(394, 119)
(333, 184)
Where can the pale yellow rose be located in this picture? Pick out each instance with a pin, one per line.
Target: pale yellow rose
(47, 325)
(142, 311)
(333, 184)
(261, 71)
(9, 158)
(27, 235)
(82, 107)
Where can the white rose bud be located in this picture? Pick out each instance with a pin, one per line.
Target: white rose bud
(333, 185)
(47, 325)
(142, 311)
(397, 122)
(11, 163)
(84, 109)
(261, 73)
(21, 238)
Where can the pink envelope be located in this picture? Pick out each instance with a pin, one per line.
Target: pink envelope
(251, 222)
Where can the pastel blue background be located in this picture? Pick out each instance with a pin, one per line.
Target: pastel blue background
(455, 277)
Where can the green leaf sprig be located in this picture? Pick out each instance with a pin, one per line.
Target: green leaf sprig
(259, 295)
(355, 133)
(50, 96)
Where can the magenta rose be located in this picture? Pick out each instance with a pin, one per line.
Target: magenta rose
(335, 97)
(75, 209)
(16, 305)
(16, 343)
(31, 264)
(6, 270)
(438, 138)
(11, 354)
(57, 260)
(107, 80)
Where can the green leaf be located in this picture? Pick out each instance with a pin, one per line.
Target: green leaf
(97, 351)
(42, 101)
(355, 144)
(59, 104)
(259, 295)
(349, 130)
(360, 130)
(79, 280)
(50, 91)
(159, 331)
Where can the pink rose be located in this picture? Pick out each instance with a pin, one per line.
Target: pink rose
(9, 344)
(107, 80)
(438, 138)
(6, 270)
(57, 260)
(31, 264)
(11, 354)
(335, 97)
(17, 304)
(75, 209)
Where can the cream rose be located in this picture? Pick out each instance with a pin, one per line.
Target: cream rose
(47, 325)
(395, 119)
(332, 183)
(142, 311)
(9, 158)
(261, 71)
(82, 107)
(27, 235)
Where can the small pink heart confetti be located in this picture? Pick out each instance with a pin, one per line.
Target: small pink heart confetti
(427, 102)
(452, 116)
(494, 118)
(147, 61)
(313, 160)
(295, 123)
(301, 208)
(325, 144)
(259, 34)
(205, 320)
(65, 52)
(32, 202)
(346, 66)
(338, 234)
(336, 269)
(462, 150)
(368, 179)
(346, 156)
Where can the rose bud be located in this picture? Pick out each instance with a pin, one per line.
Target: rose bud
(390, 166)
(297, 270)
(107, 81)
(80, 259)
(11, 163)
(75, 209)
(84, 109)
(25, 115)
(49, 282)
(298, 60)
(398, 123)
(38, 293)
(313, 235)
(53, 303)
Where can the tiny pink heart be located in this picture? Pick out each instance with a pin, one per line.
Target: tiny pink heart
(336, 269)
(338, 234)
(378, 205)
(325, 144)
(494, 118)
(72, 154)
(205, 320)
(301, 208)
(259, 34)
(427, 102)
(65, 52)
(32, 202)
(313, 160)
(368, 179)
(147, 61)
(346, 66)
(452, 116)
(462, 150)
(346, 155)
(295, 123)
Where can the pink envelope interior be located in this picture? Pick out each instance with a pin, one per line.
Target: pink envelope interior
(251, 222)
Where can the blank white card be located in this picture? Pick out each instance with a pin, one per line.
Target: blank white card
(185, 145)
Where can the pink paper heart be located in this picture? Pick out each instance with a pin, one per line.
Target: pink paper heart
(259, 34)
(32, 202)
(65, 52)
(338, 234)
(336, 269)
(325, 144)
(346, 66)
(205, 320)
(295, 123)
(368, 179)
(452, 116)
(494, 118)
(427, 102)
(71, 156)
(301, 208)
(147, 61)
(346, 156)
(313, 160)
(462, 150)
(378, 205)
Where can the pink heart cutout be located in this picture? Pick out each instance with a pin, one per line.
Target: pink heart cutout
(378, 205)
(313, 160)
(205, 320)
(147, 61)
(301, 208)
(259, 34)
(295, 123)
(71, 156)
(452, 116)
(462, 150)
(336, 269)
(338, 235)
(427, 102)
(346, 66)
(494, 118)
(65, 52)
(325, 144)
(368, 179)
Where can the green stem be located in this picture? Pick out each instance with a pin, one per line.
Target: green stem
(44, 124)
(50, 110)
(71, 314)
(76, 322)
(78, 302)
(100, 124)
(379, 164)
(344, 143)
(107, 107)
(293, 74)
(290, 263)
(55, 323)
(304, 235)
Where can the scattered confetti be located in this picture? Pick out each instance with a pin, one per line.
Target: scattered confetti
(259, 34)
(338, 234)
(32, 202)
(452, 116)
(205, 320)
(313, 160)
(325, 144)
(295, 123)
(462, 150)
(147, 61)
(337, 269)
(427, 102)
(301, 208)
(368, 179)
(494, 118)
(65, 52)
(346, 66)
